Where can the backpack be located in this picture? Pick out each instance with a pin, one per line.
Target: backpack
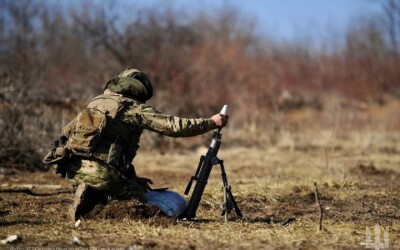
(89, 128)
(85, 133)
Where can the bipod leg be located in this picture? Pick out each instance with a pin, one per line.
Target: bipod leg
(195, 176)
(229, 200)
(233, 203)
(225, 206)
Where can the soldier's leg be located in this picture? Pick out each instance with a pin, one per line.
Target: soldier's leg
(85, 199)
(88, 179)
(96, 183)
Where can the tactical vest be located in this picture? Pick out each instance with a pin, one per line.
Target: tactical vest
(98, 133)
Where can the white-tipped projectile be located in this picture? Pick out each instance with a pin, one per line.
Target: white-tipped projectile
(224, 110)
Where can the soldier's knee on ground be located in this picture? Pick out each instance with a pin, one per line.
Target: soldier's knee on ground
(85, 199)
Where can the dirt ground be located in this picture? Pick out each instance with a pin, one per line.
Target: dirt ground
(357, 180)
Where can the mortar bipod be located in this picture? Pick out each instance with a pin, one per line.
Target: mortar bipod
(229, 200)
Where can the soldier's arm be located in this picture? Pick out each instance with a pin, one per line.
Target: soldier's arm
(174, 126)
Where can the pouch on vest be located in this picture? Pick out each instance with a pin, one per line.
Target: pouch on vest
(88, 130)
(58, 156)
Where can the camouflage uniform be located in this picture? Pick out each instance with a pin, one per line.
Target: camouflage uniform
(107, 166)
(137, 116)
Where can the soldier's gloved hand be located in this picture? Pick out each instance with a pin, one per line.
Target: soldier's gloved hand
(144, 182)
(220, 120)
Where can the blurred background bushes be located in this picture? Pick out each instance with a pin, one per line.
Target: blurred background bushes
(55, 57)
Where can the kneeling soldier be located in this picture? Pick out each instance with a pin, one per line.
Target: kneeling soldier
(97, 147)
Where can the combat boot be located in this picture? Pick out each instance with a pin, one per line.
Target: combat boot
(86, 198)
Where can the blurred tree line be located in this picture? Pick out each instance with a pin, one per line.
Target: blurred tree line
(55, 57)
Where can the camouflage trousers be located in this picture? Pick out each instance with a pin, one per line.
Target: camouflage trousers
(104, 178)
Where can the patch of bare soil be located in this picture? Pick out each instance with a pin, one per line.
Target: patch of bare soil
(371, 169)
(370, 176)
(119, 210)
(363, 201)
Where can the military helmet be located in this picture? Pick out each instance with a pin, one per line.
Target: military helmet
(128, 72)
(140, 76)
(131, 88)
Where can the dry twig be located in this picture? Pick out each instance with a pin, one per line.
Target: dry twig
(29, 191)
(319, 207)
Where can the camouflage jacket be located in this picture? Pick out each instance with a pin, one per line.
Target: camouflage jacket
(130, 120)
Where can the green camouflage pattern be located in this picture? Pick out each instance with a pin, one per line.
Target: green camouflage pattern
(129, 87)
(132, 83)
(147, 117)
(104, 178)
(128, 72)
(136, 116)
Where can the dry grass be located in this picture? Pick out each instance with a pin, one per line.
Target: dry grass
(358, 186)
